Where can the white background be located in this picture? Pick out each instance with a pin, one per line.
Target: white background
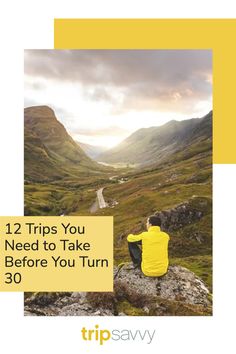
(29, 24)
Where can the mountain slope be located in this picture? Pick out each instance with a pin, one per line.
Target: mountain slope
(50, 152)
(152, 145)
(92, 150)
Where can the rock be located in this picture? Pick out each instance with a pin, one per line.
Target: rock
(28, 313)
(76, 295)
(44, 298)
(76, 310)
(81, 297)
(97, 313)
(121, 314)
(176, 283)
(178, 287)
(184, 214)
(179, 292)
(73, 310)
(146, 309)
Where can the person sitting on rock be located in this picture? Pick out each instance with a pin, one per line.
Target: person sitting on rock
(150, 249)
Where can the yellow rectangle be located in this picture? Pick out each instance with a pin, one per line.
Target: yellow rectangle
(216, 34)
(30, 247)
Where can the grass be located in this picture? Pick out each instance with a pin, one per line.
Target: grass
(48, 199)
(128, 309)
(145, 192)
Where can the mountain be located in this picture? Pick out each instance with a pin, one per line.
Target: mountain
(92, 150)
(50, 152)
(152, 145)
(176, 185)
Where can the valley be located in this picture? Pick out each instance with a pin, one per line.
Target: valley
(172, 177)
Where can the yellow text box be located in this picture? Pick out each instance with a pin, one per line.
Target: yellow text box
(216, 34)
(53, 253)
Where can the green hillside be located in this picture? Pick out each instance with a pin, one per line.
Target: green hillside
(169, 188)
(50, 152)
(152, 145)
(61, 179)
(91, 150)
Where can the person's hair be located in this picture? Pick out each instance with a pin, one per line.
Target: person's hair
(154, 220)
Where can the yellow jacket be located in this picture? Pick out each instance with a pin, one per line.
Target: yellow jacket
(154, 251)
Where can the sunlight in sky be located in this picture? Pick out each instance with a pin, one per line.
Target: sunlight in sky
(105, 113)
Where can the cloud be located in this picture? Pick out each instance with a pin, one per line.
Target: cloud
(107, 131)
(34, 85)
(28, 102)
(130, 79)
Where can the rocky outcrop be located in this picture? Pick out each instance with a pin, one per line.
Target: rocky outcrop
(189, 227)
(176, 293)
(179, 292)
(185, 213)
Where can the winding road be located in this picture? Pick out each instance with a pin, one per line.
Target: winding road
(101, 201)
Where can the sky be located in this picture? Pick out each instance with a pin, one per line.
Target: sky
(102, 96)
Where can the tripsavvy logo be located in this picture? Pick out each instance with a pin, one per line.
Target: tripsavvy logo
(103, 335)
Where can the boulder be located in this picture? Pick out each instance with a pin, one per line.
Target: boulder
(185, 213)
(178, 293)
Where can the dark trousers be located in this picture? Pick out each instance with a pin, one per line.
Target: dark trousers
(135, 252)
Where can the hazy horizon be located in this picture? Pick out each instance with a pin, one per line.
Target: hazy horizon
(109, 147)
